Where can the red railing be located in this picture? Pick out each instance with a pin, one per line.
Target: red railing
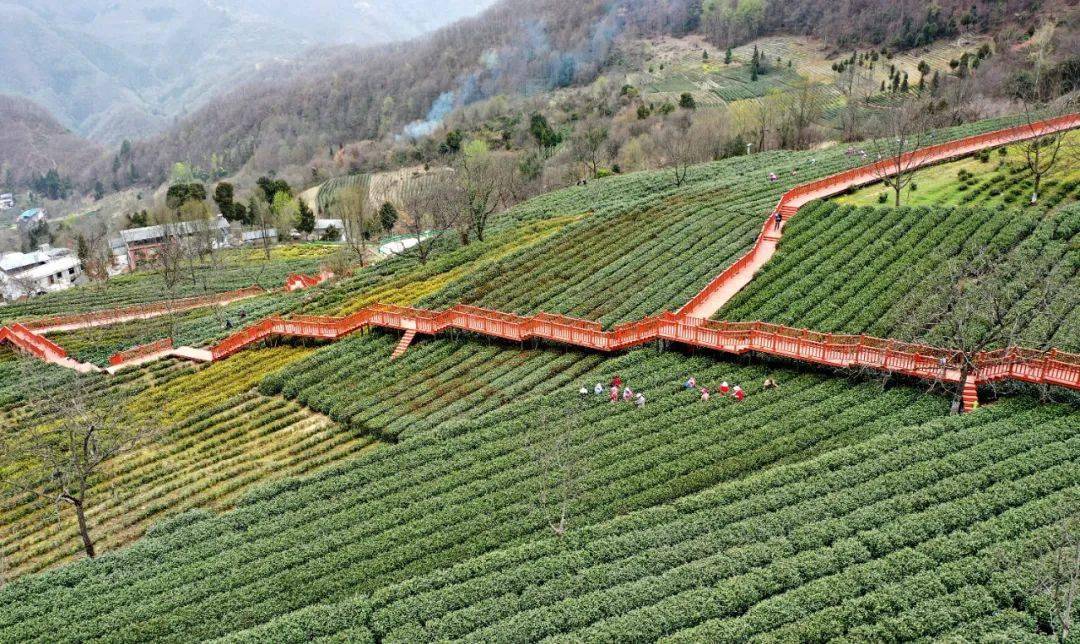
(828, 349)
(798, 196)
(299, 281)
(836, 350)
(140, 351)
(31, 342)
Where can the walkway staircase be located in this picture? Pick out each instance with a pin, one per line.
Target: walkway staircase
(689, 325)
(403, 345)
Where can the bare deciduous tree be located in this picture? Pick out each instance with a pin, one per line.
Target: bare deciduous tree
(802, 108)
(1041, 153)
(427, 211)
(353, 206)
(901, 130)
(856, 83)
(763, 112)
(479, 188)
(678, 148)
(1057, 580)
(563, 463)
(984, 300)
(588, 144)
(79, 430)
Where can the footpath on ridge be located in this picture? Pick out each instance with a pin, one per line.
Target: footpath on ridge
(690, 324)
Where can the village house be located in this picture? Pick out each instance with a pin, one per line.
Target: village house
(30, 218)
(42, 271)
(143, 244)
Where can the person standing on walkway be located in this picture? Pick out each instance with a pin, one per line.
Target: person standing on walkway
(779, 218)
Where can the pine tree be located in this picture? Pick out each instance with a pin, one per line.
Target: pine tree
(727, 56)
(388, 216)
(305, 220)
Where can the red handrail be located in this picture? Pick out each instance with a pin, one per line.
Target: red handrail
(140, 351)
(836, 350)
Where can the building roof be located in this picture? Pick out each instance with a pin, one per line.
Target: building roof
(252, 235)
(323, 224)
(59, 265)
(15, 262)
(183, 228)
(30, 214)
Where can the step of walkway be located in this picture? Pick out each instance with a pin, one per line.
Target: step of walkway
(735, 282)
(403, 345)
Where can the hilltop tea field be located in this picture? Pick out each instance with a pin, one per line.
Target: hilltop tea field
(482, 489)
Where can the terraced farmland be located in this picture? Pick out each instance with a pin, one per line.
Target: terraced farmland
(843, 268)
(223, 439)
(830, 507)
(463, 489)
(240, 269)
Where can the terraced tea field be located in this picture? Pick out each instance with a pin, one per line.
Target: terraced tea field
(326, 493)
(860, 269)
(223, 438)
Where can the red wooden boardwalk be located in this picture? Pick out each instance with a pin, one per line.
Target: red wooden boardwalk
(690, 325)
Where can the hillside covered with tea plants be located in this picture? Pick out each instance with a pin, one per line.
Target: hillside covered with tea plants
(304, 491)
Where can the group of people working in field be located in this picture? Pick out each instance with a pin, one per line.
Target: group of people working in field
(617, 391)
(725, 389)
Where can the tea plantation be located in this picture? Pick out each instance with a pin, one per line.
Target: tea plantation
(467, 491)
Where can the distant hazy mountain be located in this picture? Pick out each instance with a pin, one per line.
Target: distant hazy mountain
(114, 69)
(32, 142)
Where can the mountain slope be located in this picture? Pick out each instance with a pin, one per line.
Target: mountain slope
(515, 47)
(32, 142)
(111, 70)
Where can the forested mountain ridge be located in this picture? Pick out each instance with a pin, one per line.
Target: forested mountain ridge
(348, 94)
(515, 48)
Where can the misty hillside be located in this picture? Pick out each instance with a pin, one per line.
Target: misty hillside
(517, 47)
(115, 69)
(32, 142)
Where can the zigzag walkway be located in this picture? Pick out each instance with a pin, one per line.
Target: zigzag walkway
(690, 324)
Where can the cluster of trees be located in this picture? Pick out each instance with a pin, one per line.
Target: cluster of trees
(902, 24)
(52, 186)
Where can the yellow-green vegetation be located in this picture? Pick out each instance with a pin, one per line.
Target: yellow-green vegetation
(291, 251)
(408, 287)
(222, 438)
(994, 178)
(676, 65)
